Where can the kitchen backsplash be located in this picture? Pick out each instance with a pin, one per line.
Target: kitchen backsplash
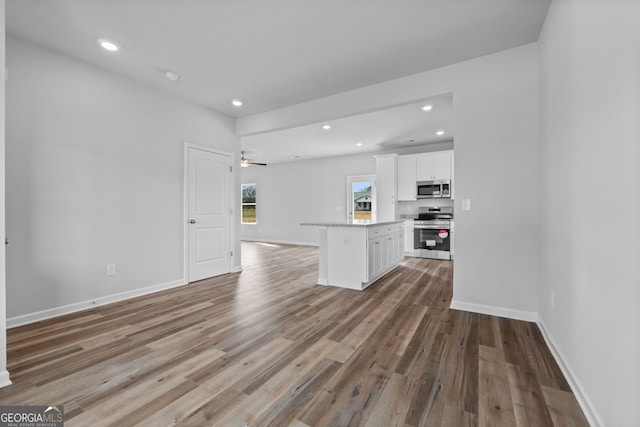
(409, 209)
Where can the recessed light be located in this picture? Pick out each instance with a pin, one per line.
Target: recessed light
(427, 108)
(440, 132)
(170, 75)
(108, 45)
(296, 157)
(359, 144)
(236, 103)
(326, 127)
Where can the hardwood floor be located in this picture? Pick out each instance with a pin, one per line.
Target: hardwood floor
(268, 347)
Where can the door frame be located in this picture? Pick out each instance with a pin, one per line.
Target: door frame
(362, 178)
(185, 205)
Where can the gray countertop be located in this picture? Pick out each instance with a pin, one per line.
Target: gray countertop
(350, 223)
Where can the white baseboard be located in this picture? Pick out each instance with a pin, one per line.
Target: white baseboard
(236, 269)
(585, 403)
(278, 242)
(528, 316)
(25, 319)
(4, 378)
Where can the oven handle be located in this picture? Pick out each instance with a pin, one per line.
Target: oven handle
(431, 227)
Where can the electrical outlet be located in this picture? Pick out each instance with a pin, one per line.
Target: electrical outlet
(553, 299)
(111, 270)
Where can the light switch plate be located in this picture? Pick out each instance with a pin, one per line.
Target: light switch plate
(111, 270)
(466, 204)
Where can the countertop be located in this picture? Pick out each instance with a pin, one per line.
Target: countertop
(350, 223)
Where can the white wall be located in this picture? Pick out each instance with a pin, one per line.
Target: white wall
(590, 93)
(496, 165)
(4, 375)
(304, 191)
(94, 176)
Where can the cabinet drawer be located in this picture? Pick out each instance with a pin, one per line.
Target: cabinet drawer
(384, 230)
(392, 228)
(375, 232)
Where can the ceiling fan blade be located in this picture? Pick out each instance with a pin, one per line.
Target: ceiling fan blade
(257, 164)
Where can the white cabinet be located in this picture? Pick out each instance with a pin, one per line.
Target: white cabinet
(389, 250)
(376, 254)
(432, 166)
(453, 175)
(442, 165)
(386, 187)
(408, 238)
(407, 178)
(376, 251)
(356, 255)
(386, 209)
(385, 249)
(398, 244)
(422, 167)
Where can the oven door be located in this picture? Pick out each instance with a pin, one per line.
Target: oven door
(431, 242)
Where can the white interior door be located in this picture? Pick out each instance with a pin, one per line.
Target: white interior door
(209, 214)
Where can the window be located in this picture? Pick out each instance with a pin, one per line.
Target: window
(248, 203)
(360, 198)
(361, 193)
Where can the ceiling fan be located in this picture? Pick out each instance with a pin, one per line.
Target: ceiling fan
(244, 162)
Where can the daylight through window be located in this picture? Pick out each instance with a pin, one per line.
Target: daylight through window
(362, 201)
(248, 203)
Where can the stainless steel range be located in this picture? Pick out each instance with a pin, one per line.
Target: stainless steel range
(432, 233)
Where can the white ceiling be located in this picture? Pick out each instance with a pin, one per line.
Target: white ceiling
(274, 53)
(393, 128)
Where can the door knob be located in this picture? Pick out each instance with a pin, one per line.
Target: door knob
(192, 221)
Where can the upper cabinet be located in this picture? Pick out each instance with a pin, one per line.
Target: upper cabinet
(434, 166)
(407, 178)
(423, 167)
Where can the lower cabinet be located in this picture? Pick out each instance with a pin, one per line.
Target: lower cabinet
(399, 245)
(375, 253)
(408, 238)
(389, 251)
(385, 249)
(355, 256)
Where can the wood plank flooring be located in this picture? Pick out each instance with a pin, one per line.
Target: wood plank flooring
(268, 347)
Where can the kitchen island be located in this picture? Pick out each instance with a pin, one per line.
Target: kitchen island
(355, 254)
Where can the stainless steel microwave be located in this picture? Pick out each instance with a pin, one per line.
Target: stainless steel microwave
(433, 189)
